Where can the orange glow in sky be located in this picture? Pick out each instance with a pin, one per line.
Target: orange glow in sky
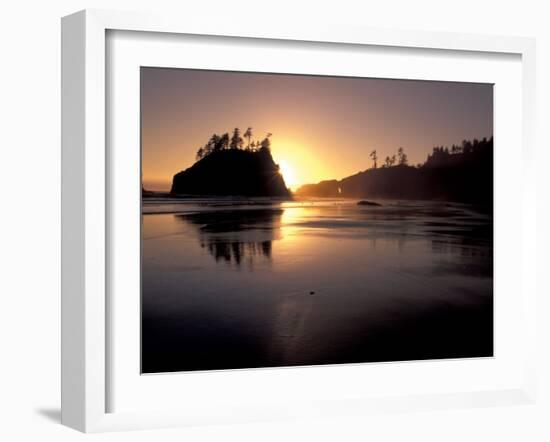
(323, 127)
(288, 172)
(297, 163)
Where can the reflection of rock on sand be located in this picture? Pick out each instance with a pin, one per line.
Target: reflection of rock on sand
(237, 236)
(237, 251)
(289, 326)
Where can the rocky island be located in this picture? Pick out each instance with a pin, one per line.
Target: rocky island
(225, 168)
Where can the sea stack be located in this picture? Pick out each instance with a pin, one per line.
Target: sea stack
(232, 172)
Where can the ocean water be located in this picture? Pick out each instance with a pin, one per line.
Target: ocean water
(246, 284)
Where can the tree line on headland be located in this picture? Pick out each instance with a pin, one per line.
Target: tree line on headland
(401, 159)
(440, 154)
(459, 173)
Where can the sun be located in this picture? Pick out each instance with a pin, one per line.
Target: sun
(287, 171)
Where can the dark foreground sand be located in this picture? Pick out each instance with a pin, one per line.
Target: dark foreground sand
(302, 283)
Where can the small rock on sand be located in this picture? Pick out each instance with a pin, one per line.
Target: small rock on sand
(367, 203)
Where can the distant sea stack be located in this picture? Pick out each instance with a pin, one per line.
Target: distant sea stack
(232, 172)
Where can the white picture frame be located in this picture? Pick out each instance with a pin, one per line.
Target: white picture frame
(85, 210)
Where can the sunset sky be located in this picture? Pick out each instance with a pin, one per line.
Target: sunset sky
(323, 127)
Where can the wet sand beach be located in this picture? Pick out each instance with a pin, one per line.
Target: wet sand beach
(263, 283)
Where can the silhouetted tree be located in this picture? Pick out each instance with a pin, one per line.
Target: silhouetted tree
(466, 146)
(236, 139)
(387, 162)
(402, 156)
(266, 143)
(248, 134)
(200, 153)
(213, 144)
(374, 158)
(224, 141)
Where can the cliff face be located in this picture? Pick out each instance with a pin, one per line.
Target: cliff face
(232, 172)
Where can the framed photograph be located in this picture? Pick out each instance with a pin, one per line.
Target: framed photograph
(292, 222)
